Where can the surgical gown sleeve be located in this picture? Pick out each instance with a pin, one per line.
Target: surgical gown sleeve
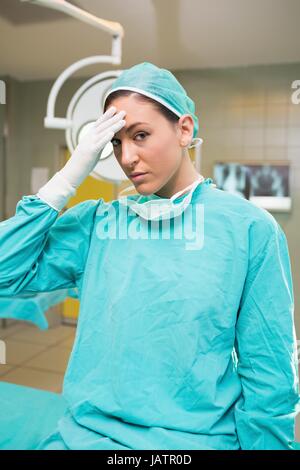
(266, 345)
(41, 251)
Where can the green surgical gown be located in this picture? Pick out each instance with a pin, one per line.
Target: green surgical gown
(175, 348)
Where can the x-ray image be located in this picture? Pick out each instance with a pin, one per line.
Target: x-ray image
(233, 177)
(269, 180)
(265, 185)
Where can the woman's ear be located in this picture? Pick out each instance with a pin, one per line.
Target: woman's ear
(185, 128)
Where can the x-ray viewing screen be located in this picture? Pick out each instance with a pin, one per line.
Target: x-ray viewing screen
(266, 185)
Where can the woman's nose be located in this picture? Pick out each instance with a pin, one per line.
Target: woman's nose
(128, 156)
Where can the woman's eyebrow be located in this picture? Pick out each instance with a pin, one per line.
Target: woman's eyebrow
(128, 129)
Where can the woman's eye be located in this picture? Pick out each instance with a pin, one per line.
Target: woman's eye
(143, 134)
(115, 142)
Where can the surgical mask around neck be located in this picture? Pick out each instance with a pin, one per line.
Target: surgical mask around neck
(157, 208)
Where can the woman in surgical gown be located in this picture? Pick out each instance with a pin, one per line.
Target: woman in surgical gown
(185, 338)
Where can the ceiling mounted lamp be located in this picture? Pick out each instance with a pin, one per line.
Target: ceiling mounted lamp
(87, 103)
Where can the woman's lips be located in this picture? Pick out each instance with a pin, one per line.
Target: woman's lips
(138, 177)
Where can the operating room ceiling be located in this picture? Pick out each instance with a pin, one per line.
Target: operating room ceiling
(176, 34)
(19, 13)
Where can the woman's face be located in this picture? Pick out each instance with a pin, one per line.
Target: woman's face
(148, 143)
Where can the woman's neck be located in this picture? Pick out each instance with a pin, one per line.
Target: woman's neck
(181, 180)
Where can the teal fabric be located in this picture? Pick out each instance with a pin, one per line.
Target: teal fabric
(175, 348)
(31, 307)
(27, 416)
(159, 84)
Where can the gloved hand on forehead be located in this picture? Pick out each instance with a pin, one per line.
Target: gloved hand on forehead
(86, 155)
(83, 160)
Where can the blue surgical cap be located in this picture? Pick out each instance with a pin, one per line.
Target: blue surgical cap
(158, 84)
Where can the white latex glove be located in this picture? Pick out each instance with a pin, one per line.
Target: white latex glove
(83, 160)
